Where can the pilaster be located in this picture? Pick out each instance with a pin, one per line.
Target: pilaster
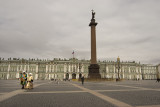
(9, 67)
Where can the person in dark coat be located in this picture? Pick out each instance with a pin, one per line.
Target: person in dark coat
(82, 79)
(158, 80)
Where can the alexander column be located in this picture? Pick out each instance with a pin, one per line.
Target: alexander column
(94, 67)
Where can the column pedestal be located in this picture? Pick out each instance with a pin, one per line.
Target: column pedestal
(94, 71)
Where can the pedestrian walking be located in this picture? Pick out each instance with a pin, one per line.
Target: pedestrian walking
(82, 79)
(158, 80)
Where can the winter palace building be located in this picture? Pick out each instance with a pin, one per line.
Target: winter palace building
(75, 69)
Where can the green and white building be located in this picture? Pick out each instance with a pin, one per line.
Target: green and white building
(74, 69)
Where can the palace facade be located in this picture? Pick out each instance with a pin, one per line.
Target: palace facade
(75, 69)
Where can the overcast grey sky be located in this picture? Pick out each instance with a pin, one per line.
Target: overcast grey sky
(54, 28)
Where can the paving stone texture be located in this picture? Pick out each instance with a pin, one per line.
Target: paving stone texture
(74, 94)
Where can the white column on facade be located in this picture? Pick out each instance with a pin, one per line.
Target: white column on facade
(107, 69)
(129, 76)
(122, 68)
(114, 71)
(25, 67)
(136, 69)
(17, 73)
(130, 73)
(46, 75)
(82, 68)
(78, 67)
(46, 68)
(75, 68)
(37, 68)
(55, 75)
(49, 68)
(140, 74)
(140, 77)
(28, 68)
(120, 72)
(49, 76)
(123, 75)
(69, 68)
(72, 68)
(9, 67)
(36, 75)
(70, 76)
(114, 68)
(137, 77)
(140, 70)
(123, 71)
(64, 76)
(52, 76)
(18, 68)
(64, 67)
(56, 68)
(77, 76)
(114, 75)
(21, 67)
(53, 67)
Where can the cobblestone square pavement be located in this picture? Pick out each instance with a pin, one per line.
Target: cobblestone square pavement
(74, 94)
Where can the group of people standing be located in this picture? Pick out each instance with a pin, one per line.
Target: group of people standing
(26, 81)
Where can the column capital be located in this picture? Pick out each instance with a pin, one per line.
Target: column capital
(93, 23)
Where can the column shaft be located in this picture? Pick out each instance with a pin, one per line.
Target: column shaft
(93, 45)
